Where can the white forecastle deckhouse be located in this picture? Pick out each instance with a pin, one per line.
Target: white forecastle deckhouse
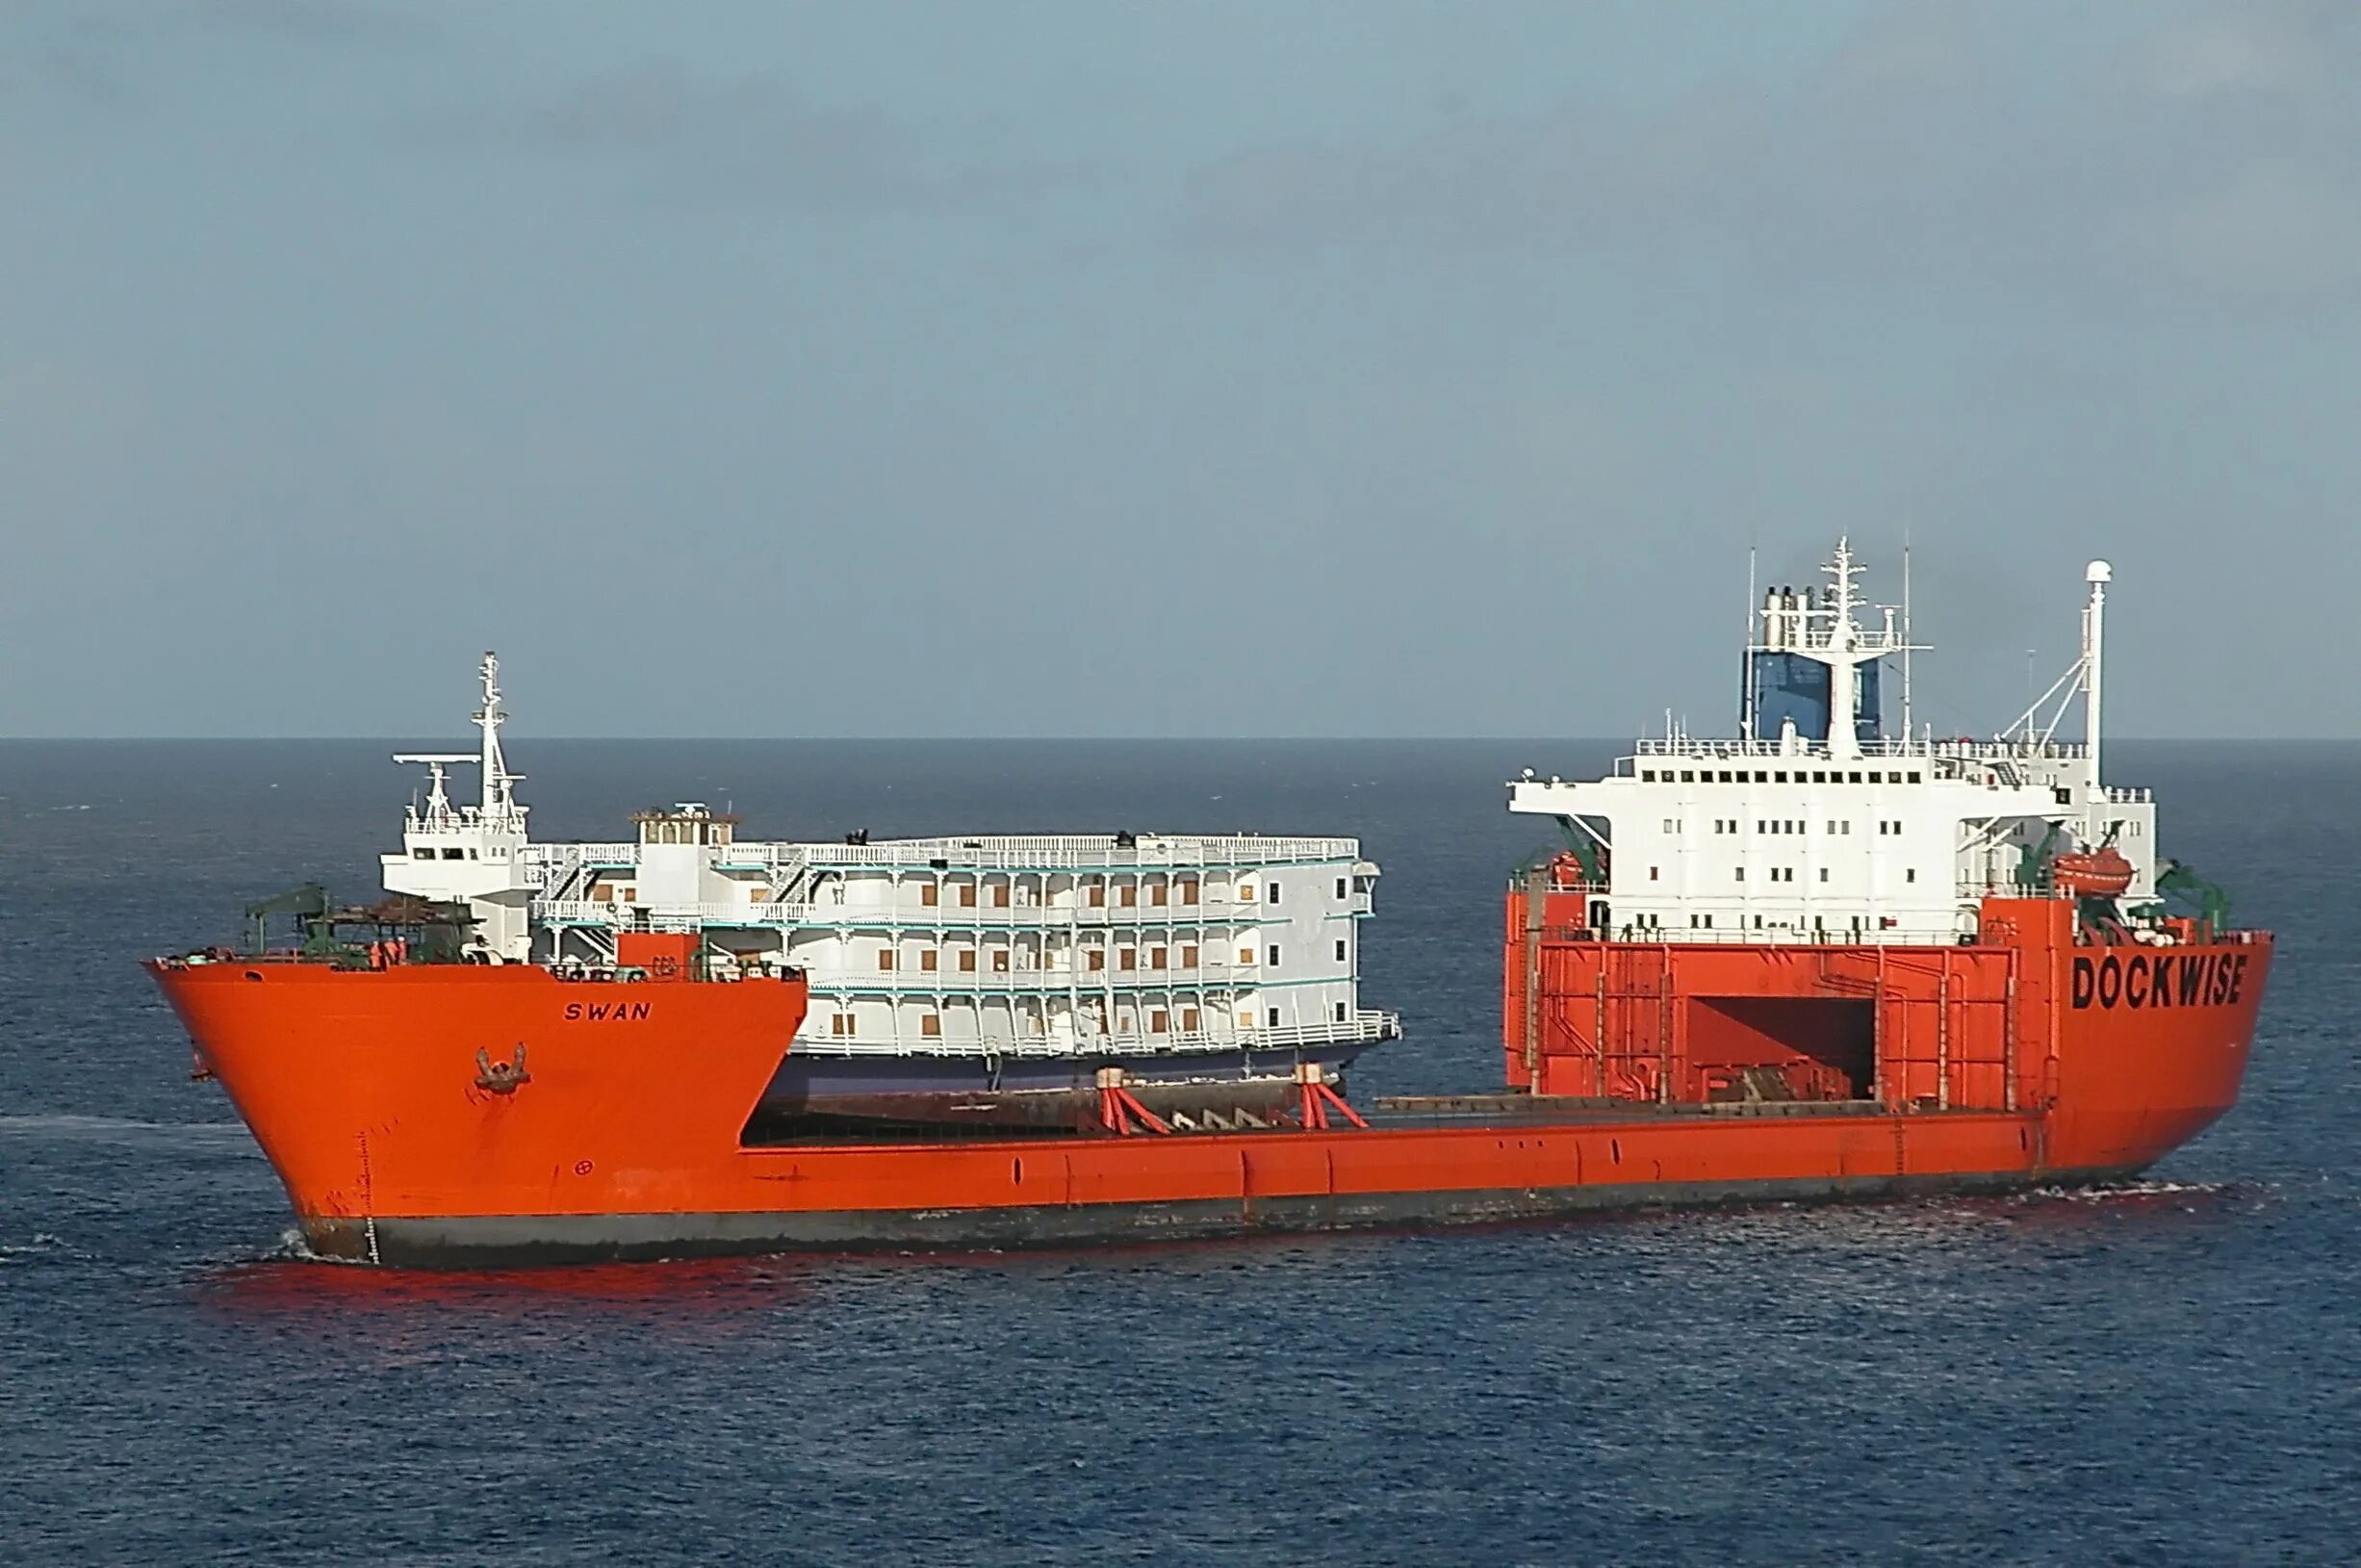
(1139, 944)
(1813, 826)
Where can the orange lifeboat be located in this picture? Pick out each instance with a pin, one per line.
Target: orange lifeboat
(1565, 872)
(2101, 873)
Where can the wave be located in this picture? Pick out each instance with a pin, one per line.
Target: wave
(43, 1243)
(88, 1126)
(2141, 1191)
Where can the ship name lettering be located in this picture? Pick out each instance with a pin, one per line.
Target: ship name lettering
(607, 1012)
(2158, 980)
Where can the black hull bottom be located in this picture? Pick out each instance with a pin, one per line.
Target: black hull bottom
(528, 1240)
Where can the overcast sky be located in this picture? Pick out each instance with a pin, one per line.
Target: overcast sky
(1256, 368)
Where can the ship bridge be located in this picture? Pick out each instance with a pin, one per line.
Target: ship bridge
(1808, 828)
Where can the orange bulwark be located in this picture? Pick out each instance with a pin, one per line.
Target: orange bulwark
(443, 1114)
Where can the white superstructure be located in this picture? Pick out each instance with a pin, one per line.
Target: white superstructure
(1813, 825)
(1132, 944)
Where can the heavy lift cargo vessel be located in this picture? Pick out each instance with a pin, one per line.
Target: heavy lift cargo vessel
(1807, 963)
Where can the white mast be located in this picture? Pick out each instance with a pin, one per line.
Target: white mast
(2098, 573)
(1746, 696)
(1906, 640)
(499, 798)
(1843, 637)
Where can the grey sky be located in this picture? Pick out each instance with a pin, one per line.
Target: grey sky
(1212, 368)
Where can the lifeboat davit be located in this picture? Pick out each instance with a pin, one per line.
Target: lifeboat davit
(2101, 873)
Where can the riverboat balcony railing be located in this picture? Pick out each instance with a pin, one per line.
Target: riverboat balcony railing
(1068, 853)
(1219, 917)
(1225, 1034)
(1053, 981)
(1021, 854)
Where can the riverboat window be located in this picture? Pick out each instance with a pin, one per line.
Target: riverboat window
(452, 855)
(1915, 778)
(1095, 895)
(1687, 776)
(841, 1025)
(422, 854)
(1245, 889)
(929, 893)
(1189, 1020)
(1339, 1013)
(1246, 1018)
(1340, 888)
(928, 960)
(1000, 961)
(1189, 890)
(1741, 873)
(1157, 893)
(1188, 956)
(1274, 956)
(1652, 874)
(1275, 1017)
(968, 961)
(1819, 776)
(884, 960)
(1824, 873)
(930, 1025)
(1095, 958)
(1127, 894)
(1245, 955)
(1000, 895)
(1270, 893)
(1155, 958)
(1340, 950)
(1127, 958)
(1910, 875)
(1158, 1020)
(968, 895)
(1854, 778)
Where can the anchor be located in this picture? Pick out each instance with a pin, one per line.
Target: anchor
(501, 1077)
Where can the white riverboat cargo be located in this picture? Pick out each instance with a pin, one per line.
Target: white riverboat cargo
(984, 979)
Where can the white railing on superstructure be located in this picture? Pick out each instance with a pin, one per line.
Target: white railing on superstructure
(583, 911)
(985, 855)
(1765, 937)
(1362, 1028)
(1067, 852)
(1689, 746)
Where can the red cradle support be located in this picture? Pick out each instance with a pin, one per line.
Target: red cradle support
(1119, 1110)
(1316, 1099)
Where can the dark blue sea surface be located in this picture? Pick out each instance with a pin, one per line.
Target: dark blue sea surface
(2161, 1374)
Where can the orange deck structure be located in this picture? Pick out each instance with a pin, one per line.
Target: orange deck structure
(438, 1114)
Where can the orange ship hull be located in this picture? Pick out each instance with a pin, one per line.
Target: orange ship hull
(437, 1115)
